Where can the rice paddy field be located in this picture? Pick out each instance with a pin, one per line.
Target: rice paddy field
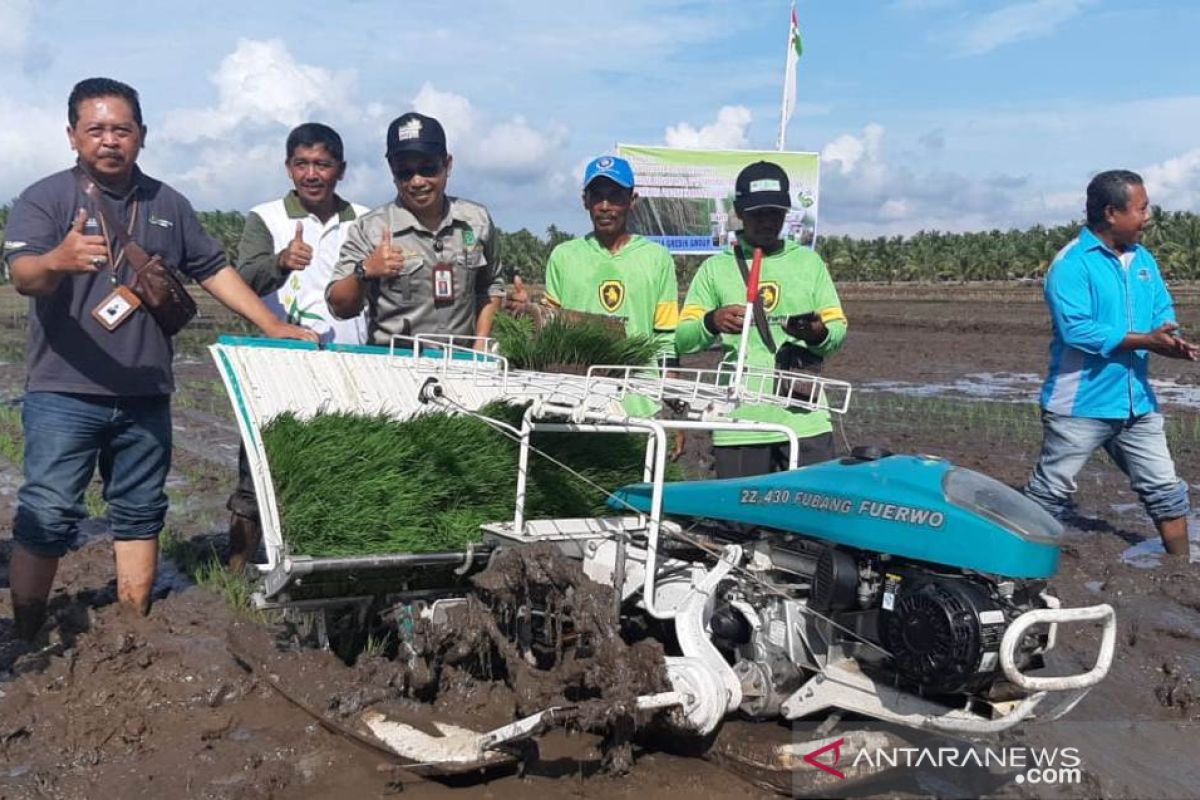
(159, 707)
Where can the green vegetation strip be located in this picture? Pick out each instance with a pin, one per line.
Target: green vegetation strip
(359, 485)
(12, 438)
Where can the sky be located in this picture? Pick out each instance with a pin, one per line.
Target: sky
(928, 114)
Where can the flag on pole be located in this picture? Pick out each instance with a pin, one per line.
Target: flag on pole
(794, 37)
(795, 48)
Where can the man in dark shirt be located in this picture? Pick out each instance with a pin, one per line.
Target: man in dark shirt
(99, 380)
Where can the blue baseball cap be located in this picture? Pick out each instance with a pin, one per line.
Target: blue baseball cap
(615, 169)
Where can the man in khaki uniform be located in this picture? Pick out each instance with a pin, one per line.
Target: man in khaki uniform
(425, 263)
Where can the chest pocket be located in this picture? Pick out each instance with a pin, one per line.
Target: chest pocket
(412, 265)
(405, 281)
(472, 258)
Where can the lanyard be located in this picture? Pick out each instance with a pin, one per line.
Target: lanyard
(117, 261)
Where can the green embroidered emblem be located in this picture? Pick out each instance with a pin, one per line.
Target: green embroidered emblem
(297, 315)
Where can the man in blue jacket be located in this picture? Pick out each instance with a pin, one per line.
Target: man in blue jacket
(1110, 310)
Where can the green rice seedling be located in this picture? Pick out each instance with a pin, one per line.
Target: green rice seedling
(356, 485)
(235, 588)
(198, 560)
(376, 646)
(568, 341)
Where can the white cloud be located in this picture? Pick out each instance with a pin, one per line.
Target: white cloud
(226, 154)
(847, 151)
(728, 132)
(516, 151)
(895, 209)
(452, 110)
(36, 147)
(1015, 22)
(509, 150)
(15, 18)
(1175, 183)
(260, 82)
(865, 193)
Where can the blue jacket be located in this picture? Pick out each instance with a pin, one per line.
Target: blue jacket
(1095, 300)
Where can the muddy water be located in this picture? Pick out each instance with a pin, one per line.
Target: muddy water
(1021, 387)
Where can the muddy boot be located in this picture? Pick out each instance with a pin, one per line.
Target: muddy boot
(30, 577)
(28, 616)
(245, 534)
(1174, 533)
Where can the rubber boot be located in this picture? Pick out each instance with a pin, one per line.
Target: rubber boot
(245, 534)
(1174, 533)
(28, 618)
(30, 578)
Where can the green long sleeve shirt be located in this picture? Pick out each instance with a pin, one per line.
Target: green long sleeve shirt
(793, 281)
(636, 284)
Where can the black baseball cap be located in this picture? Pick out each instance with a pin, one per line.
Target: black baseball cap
(761, 185)
(416, 133)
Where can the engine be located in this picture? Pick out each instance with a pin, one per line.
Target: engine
(943, 633)
(931, 630)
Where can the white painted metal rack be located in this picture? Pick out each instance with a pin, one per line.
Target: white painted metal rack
(266, 378)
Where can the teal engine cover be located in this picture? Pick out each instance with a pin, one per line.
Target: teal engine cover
(913, 507)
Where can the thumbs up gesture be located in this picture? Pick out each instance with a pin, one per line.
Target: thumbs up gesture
(297, 255)
(517, 300)
(384, 262)
(79, 251)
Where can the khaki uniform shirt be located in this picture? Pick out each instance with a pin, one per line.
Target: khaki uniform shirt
(404, 305)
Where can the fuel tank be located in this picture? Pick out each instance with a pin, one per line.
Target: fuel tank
(914, 507)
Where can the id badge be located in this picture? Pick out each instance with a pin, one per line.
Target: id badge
(443, 283)
(113, 310)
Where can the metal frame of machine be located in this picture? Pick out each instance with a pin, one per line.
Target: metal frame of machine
(266, 378)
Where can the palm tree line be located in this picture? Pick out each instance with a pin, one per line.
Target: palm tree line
(926, 256)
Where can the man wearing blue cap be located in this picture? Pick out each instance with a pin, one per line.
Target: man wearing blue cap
(612, 272)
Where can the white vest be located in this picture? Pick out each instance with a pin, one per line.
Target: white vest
(302, 299)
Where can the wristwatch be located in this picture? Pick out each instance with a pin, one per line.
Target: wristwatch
(360, 272)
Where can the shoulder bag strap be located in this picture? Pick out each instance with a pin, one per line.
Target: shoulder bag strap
(760, 316)
(134, 252)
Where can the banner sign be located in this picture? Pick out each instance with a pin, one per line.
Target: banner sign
(687, 195)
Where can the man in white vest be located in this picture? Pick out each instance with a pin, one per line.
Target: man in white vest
(286, 253)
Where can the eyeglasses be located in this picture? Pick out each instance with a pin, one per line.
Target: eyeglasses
(614, 195)
(429, 170)
(766, 212)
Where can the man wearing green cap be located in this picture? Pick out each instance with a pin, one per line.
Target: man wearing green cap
(801, 308)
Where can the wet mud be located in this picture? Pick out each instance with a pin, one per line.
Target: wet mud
(537, 634)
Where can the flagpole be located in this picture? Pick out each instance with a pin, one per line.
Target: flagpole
(788, 86)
